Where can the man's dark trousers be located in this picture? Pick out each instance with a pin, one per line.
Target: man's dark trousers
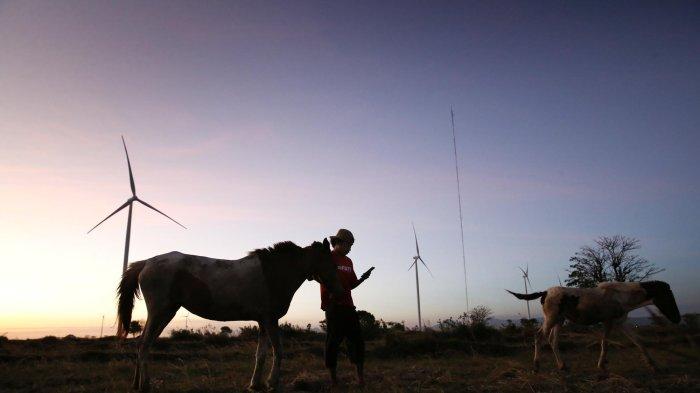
(342, 323)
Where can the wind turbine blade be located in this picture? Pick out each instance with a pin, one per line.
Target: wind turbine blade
(528, 281)
(113, 213)
(521, 269)
(426, 267)
(416, 237)
(171, 219)
(414, 262)
(131, 175)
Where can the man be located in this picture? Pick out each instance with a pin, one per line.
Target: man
(341, 318)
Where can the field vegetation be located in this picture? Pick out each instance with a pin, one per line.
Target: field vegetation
(456, 355)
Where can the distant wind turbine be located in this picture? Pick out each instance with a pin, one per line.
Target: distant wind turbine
(526, 281)
(130, 202)
(415, 264)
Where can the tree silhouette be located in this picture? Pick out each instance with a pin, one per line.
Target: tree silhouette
(135, 327)
(609, 259)
(225, 330)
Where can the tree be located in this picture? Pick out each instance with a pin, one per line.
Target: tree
(368, 323)
(609, 259)
(135, 327)
(479, 316)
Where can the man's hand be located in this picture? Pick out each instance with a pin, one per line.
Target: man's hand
(366, 274)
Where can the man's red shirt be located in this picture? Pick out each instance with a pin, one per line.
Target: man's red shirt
(348, 279)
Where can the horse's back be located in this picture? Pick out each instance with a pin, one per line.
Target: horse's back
(212, 288)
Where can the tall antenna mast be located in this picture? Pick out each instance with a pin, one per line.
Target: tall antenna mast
(459, 198)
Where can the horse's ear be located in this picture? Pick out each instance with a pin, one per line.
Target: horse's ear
(326, 244)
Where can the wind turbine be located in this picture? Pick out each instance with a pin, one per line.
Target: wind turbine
(130, 203)
(526, 281)
(415, 263)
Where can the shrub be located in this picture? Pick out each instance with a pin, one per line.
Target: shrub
(297, 332)
(392, 326)
(479, 315)
(371, 328)
(509, 328)
(184, 335)
(248, 332)
(135, 327)
(692, 321)
(225, 330)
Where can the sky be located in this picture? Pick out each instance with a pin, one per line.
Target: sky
(258, 122)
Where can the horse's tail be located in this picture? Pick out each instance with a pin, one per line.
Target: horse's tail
(127, 290)
(530, 296)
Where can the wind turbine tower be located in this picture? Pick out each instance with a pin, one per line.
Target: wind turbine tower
(130, 203)
(526, 281)
(415, 264)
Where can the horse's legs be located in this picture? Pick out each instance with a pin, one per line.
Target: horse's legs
(538, 343)
(273, 381)
(603, 360)
(260, 356)
(543, 332)
(554, 343)
(156, 322)
(635, 340)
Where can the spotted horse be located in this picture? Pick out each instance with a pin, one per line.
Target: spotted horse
(608, 303)
(258, 287)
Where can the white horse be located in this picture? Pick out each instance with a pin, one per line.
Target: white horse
(609, 303)
(257, 288)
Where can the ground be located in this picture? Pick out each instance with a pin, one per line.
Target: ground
(401, 362)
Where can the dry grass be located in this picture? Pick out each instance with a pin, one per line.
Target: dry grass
(437, 364)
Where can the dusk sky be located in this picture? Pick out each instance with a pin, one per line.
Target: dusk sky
(258, 122)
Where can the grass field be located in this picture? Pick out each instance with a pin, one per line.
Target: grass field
(396, 362)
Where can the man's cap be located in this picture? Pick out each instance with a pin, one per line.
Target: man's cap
(344, 235)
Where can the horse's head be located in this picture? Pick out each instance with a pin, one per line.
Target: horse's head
(661, 295)
(323, 269)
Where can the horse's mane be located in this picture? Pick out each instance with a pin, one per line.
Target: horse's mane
(276, 252)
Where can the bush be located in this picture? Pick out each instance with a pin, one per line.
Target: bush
(509, 328)
(297, 332)
(392, 326)
(692, 321)
(403, 344)
(371, 328)
(479, 315)
(248, 332)
(184, 335)
(226, 330)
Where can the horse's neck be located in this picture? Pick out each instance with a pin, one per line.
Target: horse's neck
(284, 277)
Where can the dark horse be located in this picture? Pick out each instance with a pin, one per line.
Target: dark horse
(257, 288)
